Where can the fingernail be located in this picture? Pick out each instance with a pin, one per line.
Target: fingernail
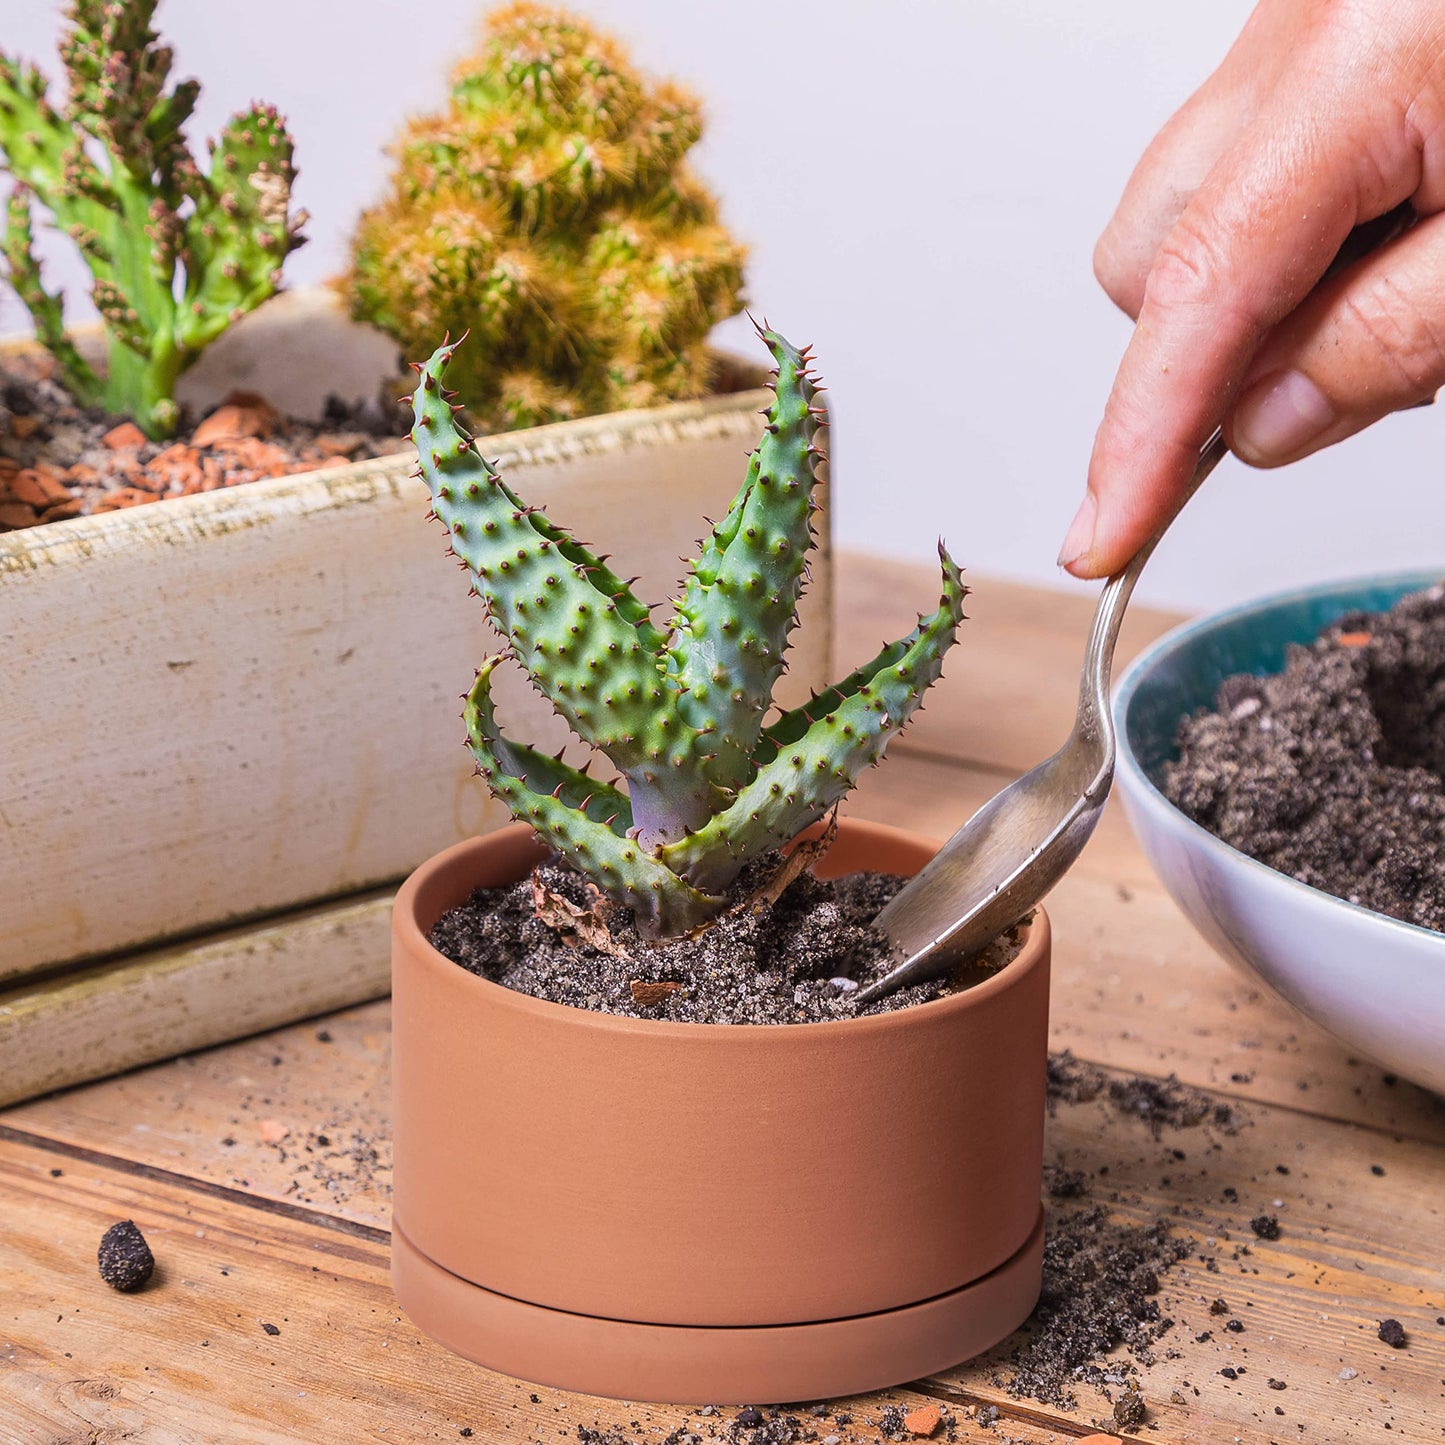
(1080, 536)
(1279, 416)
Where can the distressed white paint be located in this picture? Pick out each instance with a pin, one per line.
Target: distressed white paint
(98, 1021)
(237, 703)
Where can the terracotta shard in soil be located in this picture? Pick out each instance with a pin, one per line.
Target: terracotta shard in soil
(923, 1421)
(127, 434)
(38, 488)
(16, 515)
(645, 994)
(243, 414)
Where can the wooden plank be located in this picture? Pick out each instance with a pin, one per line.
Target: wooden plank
(1355, 1248)
(275, 669)
(300, 1115)
(189, 1358)
(1010, 685)
(86, 1024)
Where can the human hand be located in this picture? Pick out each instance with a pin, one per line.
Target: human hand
(1324, 114)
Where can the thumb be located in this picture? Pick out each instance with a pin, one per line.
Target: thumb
(1364, 344)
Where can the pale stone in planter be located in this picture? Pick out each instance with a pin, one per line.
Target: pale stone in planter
(228, 706)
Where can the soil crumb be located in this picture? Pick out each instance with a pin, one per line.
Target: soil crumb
(124, 1259)
(1333, 771)
(799, 960)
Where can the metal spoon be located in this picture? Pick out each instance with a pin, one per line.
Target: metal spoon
(1019, 844)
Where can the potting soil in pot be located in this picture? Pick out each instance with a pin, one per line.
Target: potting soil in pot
(1333, 771)
(799, 960)
(60, 460)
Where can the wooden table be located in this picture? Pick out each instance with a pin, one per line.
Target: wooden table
(259, 1172)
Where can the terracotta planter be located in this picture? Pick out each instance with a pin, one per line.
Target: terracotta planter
(673, 1211)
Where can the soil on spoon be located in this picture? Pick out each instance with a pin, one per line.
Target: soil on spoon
(60, 460)
(799, 960)
(1333, 771)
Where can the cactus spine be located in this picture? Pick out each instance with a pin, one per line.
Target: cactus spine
(176, 255)
(679, 714)
(549, 209)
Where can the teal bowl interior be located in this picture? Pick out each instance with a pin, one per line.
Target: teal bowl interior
(1181, 672)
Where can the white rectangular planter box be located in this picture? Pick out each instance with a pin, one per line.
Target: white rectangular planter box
(224, 707)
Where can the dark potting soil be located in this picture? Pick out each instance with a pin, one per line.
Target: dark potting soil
(60, 460)
(799, 960)
(1159, 1103)
(1333, 771)
(1100, 1293)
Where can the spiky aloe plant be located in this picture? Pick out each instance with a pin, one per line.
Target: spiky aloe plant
(177, 256)
(680, 714)
(550, 209)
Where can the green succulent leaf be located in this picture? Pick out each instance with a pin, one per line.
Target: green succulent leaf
(740, 601)
(813, 755)
(567, 817)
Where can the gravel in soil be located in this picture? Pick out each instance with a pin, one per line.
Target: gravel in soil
(799, 960)
(59, 460)
(1333, 771)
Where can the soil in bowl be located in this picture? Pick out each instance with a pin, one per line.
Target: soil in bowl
(60, 460)
(1333, 771)
(801, 959)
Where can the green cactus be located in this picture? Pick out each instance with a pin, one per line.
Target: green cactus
(177, 256)
(679, 714)
(550, 210)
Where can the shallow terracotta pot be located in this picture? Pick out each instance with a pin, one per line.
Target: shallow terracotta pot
(673, 1211)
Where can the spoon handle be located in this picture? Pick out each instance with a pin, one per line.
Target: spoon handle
(1109, 615)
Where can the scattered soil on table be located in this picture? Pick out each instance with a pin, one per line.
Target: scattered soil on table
(818, 1424)
(124, 1259)
(1333, 771)
(799, 960)
(59, 460)
(1160, 1103)
(1101, 1282)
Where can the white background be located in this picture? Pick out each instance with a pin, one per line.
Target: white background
(921, 183)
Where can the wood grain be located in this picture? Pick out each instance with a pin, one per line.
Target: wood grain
(1135, 987)
(189, 1359)
(88, 1023)
(1355, 1248)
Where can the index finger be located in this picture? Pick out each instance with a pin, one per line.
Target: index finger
(1248, 248)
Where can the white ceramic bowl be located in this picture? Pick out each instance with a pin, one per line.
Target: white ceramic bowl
(1374, 982)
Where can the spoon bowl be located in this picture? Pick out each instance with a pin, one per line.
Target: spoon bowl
(1002, 862)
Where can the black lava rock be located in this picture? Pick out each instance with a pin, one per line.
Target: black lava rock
(124, 1258)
